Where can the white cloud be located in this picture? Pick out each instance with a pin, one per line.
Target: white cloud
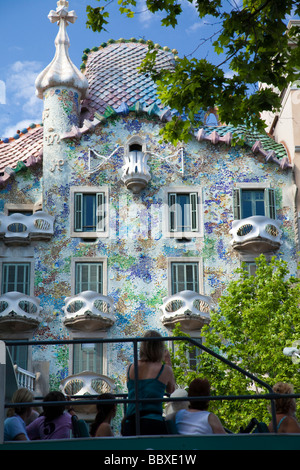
(21, 104)
(195, 27)
(144, 16)
(20, 86)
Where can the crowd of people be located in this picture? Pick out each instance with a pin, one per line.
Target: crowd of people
(155, 379)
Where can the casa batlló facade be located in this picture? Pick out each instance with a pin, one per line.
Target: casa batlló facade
(106, 232)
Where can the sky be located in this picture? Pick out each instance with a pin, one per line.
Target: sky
(27, 38)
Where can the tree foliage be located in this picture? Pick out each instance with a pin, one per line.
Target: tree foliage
(257, 318)
(254, 45)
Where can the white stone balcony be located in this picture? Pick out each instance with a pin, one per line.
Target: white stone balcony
(19, 312)
(188, 308)
(89, 311)
(256, 234)
(84, 384)
(136, 173)
(20, 229)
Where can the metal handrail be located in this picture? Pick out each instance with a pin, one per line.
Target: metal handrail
(270, 396)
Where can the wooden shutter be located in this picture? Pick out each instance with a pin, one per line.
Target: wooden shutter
(237, 203)
(78, 208)
(100, 212)
(194, 211)
(173, 212)
(270, 207)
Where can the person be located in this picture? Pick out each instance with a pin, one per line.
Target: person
(155, 378)
(15, 423)
(197, 419)
(54, 423)
(173, 407)
(285, 410)
(101, 427)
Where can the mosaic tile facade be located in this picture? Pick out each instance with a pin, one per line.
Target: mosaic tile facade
(137, 250)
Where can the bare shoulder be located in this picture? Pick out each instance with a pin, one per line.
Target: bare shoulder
(104, 430)
(216, 424)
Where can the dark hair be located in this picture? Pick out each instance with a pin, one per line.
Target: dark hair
(199, 388)
(53, 411)
(103, 409)
(152, 351)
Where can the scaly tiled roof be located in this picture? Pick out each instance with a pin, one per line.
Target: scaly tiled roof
(112, 74)
(21, 151)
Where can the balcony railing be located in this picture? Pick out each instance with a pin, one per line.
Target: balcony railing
(25, 378)
(135, 171)
(21, 229)
(19, 312)
(256, 234)
(188, 308)
(89, 310)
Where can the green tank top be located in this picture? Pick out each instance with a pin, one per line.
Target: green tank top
(147, 388)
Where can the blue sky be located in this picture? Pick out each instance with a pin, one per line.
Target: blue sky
(27, 39)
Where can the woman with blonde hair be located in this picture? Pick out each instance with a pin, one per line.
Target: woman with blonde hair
(15, 423)
(285, 410)
(155, 378)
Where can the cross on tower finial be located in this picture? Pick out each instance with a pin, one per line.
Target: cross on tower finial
(62, 12)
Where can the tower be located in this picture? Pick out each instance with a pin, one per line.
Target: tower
(62, 87)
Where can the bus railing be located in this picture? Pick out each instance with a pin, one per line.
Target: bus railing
(270, 395)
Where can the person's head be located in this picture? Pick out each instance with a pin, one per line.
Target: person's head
(53, 411)
(104, 411)
(174, 406)
(152, 351)
(22, 395)
(284, 405)
(199, 388)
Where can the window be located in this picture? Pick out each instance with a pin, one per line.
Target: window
(16, 277)
(19, 356)
(88, 356)
(182, 213)
(184, 276)
(256, 201)
(250, 267)
(89, 276)
(89, 212)
(192, 352)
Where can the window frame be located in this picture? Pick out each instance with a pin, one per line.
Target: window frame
(18, 261)
(186, 260)
(88, 260)
(85, 335)
(101, 193)
(195, 194)
(269, 199)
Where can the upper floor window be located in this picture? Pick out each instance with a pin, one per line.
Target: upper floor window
(89, 276)
(90, 212)
(255, 201)
(16, 277)
(88, 356)
(183, 208)
(184, 276)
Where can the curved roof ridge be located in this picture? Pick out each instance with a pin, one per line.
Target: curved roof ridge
(157, 46)
(19, 133)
